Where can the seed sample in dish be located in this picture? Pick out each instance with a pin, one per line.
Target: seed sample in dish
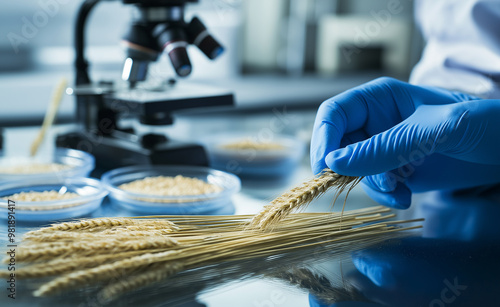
(45, 196)
(41, 196)
(34, 168)
(170, 186)
(248, 144)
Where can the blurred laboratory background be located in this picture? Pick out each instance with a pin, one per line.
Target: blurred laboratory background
(282, 59)
(281, 52)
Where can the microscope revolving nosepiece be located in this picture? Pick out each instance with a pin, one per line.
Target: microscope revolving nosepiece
(141, 50)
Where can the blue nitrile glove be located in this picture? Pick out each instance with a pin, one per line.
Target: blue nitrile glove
(408, 138)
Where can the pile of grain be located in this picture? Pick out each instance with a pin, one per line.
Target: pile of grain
(34, 168)
(170, 186)
(41, 196)
(249, 144)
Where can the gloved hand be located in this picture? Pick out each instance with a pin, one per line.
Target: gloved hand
(408, 138)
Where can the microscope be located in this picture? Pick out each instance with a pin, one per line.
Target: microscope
(106, 111)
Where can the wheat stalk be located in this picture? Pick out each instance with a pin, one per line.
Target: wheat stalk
(237, 247)
(50, 116)
(124, 254)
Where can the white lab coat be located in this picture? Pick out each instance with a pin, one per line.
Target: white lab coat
(462, 49)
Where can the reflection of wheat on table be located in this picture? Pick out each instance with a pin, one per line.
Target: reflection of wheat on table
(143, 250)
(318, 285)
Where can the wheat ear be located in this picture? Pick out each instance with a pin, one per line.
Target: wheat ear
(49, 250)
(299, 197)
(101, 224)
(58, 236)
(60, 266)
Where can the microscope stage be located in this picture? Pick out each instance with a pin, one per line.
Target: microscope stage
(177, 97)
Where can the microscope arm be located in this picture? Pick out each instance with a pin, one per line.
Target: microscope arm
(81, 64)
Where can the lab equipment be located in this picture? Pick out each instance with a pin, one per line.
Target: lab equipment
(158, 27)
(146, 203)
(107, 111)
(90, 196)
(407, 138)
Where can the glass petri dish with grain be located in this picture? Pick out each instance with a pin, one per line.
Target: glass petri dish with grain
(160, 189)
(62, 163)
(50, 199)
(258, 163)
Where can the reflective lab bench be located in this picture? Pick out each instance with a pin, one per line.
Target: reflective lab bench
(453, 261)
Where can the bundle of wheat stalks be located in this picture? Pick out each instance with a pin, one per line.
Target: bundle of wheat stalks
(128, 253)
(125, 254)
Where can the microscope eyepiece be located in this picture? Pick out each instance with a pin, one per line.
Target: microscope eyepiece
(174, 44)
(199, 36)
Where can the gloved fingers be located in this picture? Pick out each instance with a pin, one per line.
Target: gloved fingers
(325, 138)
(348, 112)
(440, 172)
(476, 132)
(435, 172)
(353, 137)
(381, 182)
(374, 108)
(429, 129)
(399, 198)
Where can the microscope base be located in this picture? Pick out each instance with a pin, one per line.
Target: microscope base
(111, 153)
